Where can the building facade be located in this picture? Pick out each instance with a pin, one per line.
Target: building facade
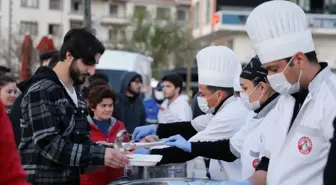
(222, 23)
(55, 17)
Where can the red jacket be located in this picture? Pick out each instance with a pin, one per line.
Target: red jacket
(103, 175)
(11, 172)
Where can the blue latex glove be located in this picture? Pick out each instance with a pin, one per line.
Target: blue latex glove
(179, 142)
(143, 131)
(245, 182)
(141, 151)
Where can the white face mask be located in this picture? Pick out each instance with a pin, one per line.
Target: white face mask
(246, 100)
(280, 83)
(159, 95)
(203, 105)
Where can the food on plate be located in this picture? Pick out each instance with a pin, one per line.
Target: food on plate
(149, 139)
(131, 148)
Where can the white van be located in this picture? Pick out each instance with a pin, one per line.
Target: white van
(115, 63)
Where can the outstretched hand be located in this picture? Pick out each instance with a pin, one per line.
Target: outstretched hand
(143, 131)
(179, 142)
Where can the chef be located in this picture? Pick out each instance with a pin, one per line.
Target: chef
(296, 148)
(216, 166)
(258, 96)
(217, 68)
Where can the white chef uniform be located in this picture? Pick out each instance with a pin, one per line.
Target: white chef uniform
(178, 111)
(278, 30)
(247, 142)
(217, 66)
(216, 168)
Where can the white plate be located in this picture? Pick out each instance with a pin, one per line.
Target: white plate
(146, 145)
(159, 147)
(143, 160)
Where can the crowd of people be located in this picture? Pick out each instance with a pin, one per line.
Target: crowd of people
(63, 127)
(270, 122)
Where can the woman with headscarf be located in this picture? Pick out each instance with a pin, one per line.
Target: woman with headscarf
(258, 96)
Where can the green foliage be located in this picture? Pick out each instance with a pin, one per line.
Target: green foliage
(157, 38)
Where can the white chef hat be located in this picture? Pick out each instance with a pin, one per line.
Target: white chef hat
(278, 30)
(217, 66)
(236, 81)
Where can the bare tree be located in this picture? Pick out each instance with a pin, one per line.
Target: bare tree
(10, 53)
(10, 50)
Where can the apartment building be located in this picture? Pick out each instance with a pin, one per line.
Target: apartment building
(56, 17)
(218, 22)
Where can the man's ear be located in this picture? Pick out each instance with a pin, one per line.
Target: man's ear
(178, 90)
(69, 57)
(299, 59)
(221, 94)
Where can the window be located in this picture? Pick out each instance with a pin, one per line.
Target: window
(181, 15)
(55, 30)
(76, 24)
(112, 34)
(30, 3)
(196, 15)
(76, 5)
(116, 34)
(162, 13)
(113, 10)
(55, 4)
(29, 27)
(139, 10)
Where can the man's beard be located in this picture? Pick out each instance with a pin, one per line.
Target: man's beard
(75, 74)
(170, 97)
(134, 93)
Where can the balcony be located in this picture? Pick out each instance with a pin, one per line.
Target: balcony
(183, 2)
(234, 21)
(114, 19)
(76, 11)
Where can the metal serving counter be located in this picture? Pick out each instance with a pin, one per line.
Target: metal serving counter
(161, 181)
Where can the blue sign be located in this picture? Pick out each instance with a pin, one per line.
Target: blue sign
(322, 23)
(234, 19)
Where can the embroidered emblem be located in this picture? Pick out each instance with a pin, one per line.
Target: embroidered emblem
(305, 145)
(255, 162)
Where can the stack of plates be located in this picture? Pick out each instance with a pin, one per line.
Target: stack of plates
(143, 159)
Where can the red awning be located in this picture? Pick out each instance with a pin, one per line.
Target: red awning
(46, 44)
(26, 52)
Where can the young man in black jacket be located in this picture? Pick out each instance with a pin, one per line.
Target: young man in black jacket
(129, 107)
(55, 146)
